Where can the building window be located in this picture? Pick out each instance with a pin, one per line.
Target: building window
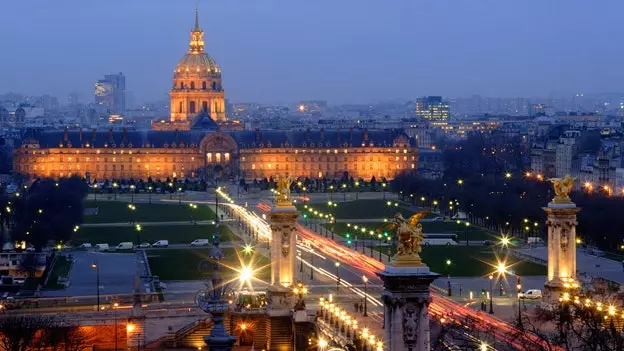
(218, 157)
(204, 104)
(253, 166)
(192, 85)
(209, 157)
(179, 109)
(204, 85)
(192, 106)
(227, 157)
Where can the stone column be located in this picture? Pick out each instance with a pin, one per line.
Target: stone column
(561, 223)
(406, 302)
(283, 229)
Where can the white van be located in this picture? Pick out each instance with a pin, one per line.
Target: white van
(85, 245)
(531, 294)
(200, 242)
(161, 243)
(101, 247)
(126, 245)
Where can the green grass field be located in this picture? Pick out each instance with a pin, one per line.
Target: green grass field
(474, 233)
(176, 234)
(118, 212)
(194, 264)
(471, 261)
(60, 269)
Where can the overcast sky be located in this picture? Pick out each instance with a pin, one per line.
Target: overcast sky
(338, 50)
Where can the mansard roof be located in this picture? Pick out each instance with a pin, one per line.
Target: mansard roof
(192, 138)
(317, 138)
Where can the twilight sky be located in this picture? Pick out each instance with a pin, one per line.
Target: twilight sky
(338, 50)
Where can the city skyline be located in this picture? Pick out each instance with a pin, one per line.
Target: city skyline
(305, 51)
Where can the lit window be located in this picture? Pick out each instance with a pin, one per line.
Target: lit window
(218, 157)
(209, 157)
(227, 157)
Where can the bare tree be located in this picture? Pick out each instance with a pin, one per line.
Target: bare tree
(20, 332)
(573, 325)
(75, 338)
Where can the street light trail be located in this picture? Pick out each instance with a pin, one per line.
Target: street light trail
(440, 304)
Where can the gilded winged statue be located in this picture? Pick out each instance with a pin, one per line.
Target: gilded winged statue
(562, 188)
(409, 234)
(283, 191)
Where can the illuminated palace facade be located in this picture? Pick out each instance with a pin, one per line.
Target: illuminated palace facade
(192, 143)
(204, 153)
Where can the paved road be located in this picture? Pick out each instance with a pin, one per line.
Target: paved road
(591, 265)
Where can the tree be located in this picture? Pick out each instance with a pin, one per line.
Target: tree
(29, 264)
(19, 332)
(48, 211)
(576, 323)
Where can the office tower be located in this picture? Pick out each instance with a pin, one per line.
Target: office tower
(110, 92)
(432, 108)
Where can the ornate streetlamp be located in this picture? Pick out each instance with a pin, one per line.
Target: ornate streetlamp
(213, 300)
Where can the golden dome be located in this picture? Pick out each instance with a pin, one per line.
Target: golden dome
(196, 63)
(200, 64)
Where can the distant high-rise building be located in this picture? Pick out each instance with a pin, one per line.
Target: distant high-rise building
(432, 108)
(73, 98)
(566, 151)
(536, 110)
(111, 92)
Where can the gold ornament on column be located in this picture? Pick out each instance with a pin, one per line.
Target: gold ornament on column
(409, 234)
(562, 188)
(282, 192)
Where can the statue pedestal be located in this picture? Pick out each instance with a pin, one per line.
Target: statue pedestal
(561, 222)
(283, 231)
(406, 302)
(279, 323)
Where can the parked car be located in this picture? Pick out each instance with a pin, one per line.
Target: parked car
(438, 219)
(200, 242)
(161, 243)
(487, 242)
(531, 294)
(126, 245)
(145, 245)
(85, 245)
(101, 247)
(534, 240)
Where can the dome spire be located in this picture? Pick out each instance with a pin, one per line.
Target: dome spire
(197, 37)
(196, 20)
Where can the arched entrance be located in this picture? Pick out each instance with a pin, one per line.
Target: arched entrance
(220, 154)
